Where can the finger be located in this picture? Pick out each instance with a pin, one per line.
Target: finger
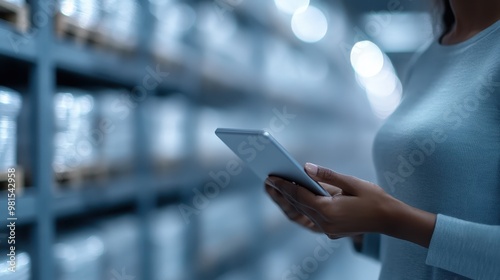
(313, 226)
(281, 184)
(306, 222)
(309, 199)
(278, 198)
(311, 215)
(333, 236)
(287, 204)
(304, 201)
(277, 182)
(331, 189)
(289, 190)
(311, 205)
(288, 208)
(341, 235)
(347, 183)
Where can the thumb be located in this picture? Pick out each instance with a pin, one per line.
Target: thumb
(321, 174)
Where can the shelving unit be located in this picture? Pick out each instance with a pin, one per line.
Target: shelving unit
(97, 64)
(16, 45)
(52, 62)
(42, 204)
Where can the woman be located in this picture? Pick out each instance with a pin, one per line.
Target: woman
(436, 214)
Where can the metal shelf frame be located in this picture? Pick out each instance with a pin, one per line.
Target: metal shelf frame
(16, 45)
(40, 206)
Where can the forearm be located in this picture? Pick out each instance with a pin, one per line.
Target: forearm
(466, 248)
(409, 223)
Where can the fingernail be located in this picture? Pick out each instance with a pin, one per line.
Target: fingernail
(311, 168)
(269, 182)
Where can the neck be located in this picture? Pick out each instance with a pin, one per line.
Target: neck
(471, 17)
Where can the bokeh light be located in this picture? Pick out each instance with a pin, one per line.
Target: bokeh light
(291, 6)
(382, 84)
(376, 75)
(309, 25)
(366, 59)
(177, 19)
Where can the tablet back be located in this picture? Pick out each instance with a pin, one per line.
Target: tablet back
(265, 156)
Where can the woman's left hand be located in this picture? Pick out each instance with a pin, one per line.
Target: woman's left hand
(362, 207)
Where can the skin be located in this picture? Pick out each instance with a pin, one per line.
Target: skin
(358, 206)
(471, 18)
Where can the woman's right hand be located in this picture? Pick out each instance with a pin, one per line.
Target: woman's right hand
(291, 212)
(294, 215)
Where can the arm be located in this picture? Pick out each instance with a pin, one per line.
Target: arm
(362, 207)
(466, 248)
(367, 243)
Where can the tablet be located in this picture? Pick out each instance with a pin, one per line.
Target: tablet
(265, 156)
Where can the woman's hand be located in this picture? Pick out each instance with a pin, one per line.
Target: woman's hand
(288, 208)
(356, 207)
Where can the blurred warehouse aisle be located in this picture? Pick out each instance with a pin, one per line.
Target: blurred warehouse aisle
(109, 165)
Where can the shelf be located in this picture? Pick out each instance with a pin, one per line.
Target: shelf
(90, 197)
(25, 207)
(231, 75)
(201, 75)
(99, 64)
(183, 68)
(96, 196)
(16, 45)
(109, 195)
(249, 254)
(267, 17)
(168, 185)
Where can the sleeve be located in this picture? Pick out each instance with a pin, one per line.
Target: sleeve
(370, 246)
(466, 248)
